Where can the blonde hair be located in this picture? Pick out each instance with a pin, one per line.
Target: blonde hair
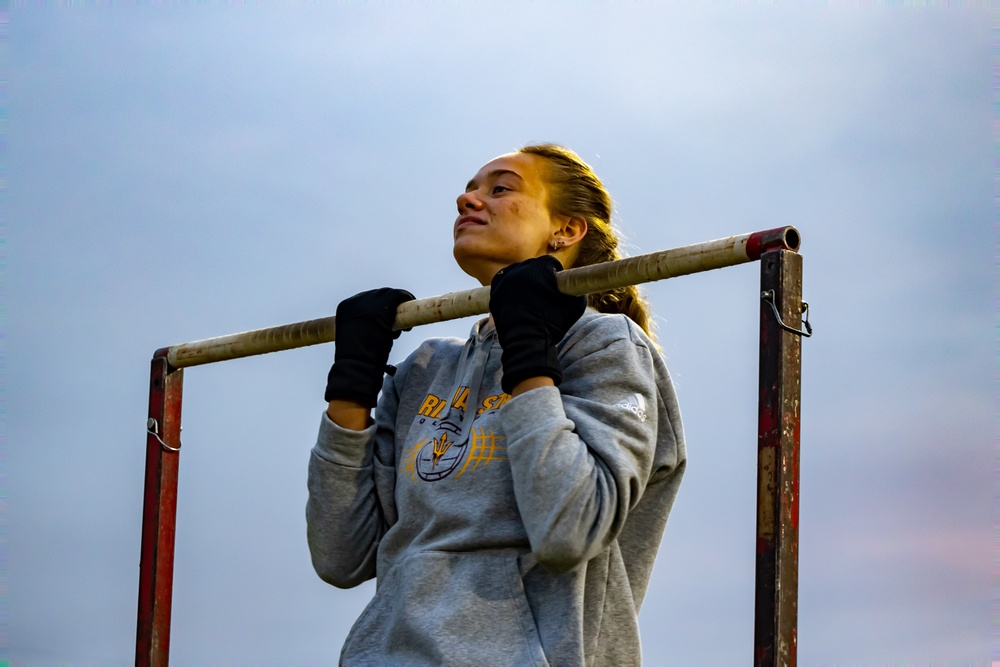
(575, 190)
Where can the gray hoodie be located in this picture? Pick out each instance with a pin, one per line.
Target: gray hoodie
(503, 531)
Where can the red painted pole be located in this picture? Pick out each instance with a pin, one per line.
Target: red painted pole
(776, 604)
(159, 512)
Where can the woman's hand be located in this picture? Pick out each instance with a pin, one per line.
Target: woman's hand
(531, 315)
(364, 340)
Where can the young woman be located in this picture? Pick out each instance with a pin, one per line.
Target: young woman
(511, 490)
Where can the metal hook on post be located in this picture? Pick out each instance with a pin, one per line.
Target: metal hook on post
(768, 295)
(153, 428)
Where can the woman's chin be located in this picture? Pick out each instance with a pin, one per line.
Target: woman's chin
(474, 264)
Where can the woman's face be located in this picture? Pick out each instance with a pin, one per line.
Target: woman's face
(503, 216)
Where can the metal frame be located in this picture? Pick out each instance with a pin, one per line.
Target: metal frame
(778, 427)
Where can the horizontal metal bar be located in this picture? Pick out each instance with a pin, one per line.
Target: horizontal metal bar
(583, 280)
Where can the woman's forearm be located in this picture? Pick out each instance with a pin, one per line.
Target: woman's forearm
(349, 414)
(531, 383)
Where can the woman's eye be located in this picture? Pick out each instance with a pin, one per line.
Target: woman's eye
(497, 189)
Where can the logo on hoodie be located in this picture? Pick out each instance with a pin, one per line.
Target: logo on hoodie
(635, 404)
(438, 457)
(451, 449)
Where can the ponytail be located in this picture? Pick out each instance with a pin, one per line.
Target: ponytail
(575, 190)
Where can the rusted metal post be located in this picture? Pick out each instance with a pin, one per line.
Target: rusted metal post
(159, 512)
(776, 606)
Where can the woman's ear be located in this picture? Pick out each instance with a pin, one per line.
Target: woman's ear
(570, 232)
(565, 242)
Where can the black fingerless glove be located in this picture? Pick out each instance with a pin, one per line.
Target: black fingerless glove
(364, 340)
(531, 315)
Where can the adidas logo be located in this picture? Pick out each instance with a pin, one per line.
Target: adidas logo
(635, 404)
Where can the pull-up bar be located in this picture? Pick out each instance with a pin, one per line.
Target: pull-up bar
(584, 280)
(777, 440)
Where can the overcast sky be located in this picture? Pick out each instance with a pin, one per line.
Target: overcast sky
(184, 170)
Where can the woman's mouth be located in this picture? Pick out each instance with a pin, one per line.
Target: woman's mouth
(467, 221)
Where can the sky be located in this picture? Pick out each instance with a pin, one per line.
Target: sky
(182, 170)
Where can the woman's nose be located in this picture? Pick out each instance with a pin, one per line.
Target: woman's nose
(469, 200)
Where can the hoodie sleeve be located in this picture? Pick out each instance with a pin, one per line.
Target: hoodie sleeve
(583, 453)
(350, 506)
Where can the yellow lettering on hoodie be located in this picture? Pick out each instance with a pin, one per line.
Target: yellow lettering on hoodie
(487, 404)
(493, 403)
(460, 398)
(431, 407)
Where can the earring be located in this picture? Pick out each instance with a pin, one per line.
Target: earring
(555, 245)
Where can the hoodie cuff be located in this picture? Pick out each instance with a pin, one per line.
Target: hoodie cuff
(531, 411)
(343, 446)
